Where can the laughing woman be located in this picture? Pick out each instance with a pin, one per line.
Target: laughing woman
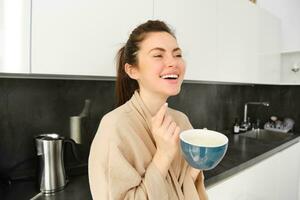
(135, 153)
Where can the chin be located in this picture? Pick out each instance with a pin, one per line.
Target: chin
(173, 92)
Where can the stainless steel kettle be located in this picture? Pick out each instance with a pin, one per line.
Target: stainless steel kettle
(50, 150)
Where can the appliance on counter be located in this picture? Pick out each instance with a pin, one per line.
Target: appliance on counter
(50, 148)
(77, 123)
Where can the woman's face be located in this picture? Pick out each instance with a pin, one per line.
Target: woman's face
(161, 67)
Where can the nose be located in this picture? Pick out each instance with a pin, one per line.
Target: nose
(171, 61)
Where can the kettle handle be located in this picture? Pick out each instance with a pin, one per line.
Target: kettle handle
(74, 151)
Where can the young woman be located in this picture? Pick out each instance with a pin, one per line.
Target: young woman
(135, 153)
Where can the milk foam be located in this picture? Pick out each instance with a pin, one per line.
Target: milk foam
(203, 140)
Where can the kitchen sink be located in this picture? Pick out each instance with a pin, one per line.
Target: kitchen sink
(266, 135)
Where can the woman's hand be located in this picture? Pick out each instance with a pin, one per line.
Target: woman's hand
(166, 135)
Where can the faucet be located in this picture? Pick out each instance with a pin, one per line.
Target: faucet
(246, 125)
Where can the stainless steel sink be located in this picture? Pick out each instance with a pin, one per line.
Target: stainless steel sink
(267, 135)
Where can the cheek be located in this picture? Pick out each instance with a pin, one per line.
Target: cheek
(182, 66)
(156, 68)
(149, 65)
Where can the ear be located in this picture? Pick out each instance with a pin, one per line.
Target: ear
(132, 71)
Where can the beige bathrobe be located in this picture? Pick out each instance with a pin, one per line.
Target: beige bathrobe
(120, 161)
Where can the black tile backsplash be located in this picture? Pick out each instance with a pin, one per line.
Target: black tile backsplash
(29, 107)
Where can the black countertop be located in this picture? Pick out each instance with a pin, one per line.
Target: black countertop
(242, 153)
(76, 189)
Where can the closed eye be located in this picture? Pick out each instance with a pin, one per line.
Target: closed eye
(157, 56)
(179, 55)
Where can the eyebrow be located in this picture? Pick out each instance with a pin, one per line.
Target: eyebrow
(162, 49)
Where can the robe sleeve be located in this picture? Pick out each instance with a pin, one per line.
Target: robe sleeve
(125, 182)
(112, 175)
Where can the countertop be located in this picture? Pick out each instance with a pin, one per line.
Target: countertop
(76, 189)
(242, 153)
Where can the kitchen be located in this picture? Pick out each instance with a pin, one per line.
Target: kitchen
(58, 54)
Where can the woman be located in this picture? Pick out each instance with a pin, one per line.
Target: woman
(135, 153)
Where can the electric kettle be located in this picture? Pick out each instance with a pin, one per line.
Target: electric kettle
(50, 150)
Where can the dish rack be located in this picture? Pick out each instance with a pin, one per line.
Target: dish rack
(279, 126)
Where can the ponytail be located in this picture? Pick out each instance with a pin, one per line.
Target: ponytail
(125, 86)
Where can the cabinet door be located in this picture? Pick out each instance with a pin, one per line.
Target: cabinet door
(262, 179)
(15, 36)
(229, 189)
(269, 48)
(289, 168)
(82, 37)
(255, 182)
(194, 23)
(288, 13)
(237, 41)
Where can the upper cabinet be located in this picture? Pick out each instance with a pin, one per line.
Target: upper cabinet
(237, 41)
(269, 57)
(195, 27)
(248, 43)
(288, 12)
(227, 41)
(82, 37)
(15, 36)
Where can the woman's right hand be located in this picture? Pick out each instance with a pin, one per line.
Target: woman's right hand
(166, 135)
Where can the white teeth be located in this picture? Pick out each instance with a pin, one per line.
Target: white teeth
(170, 76)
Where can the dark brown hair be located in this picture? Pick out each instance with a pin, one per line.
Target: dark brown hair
(125, 86)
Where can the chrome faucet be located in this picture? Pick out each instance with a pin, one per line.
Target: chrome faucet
(245, 126)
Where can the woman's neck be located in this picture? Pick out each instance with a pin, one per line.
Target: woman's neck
(152, 101)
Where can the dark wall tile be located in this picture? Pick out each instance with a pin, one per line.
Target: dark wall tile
(29, 107)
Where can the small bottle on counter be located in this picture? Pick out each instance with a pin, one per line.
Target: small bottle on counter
(236, 126)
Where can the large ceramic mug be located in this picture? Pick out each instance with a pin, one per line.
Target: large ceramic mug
(203, 149)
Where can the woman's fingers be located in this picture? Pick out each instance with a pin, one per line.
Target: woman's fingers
(167, 122)
(171, 128)
(164, 125)
(158, 118)
(176, 134)
(166, 133)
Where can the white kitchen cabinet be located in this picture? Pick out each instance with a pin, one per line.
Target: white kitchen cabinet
(227, 41)
(253, 183)
(237, 41)
(269, 48)
(229, 189)
(82, 37)
(195, 28)
(288, 12)
(221, 40)
(289, 173)
(15, 36)
(276, 178)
